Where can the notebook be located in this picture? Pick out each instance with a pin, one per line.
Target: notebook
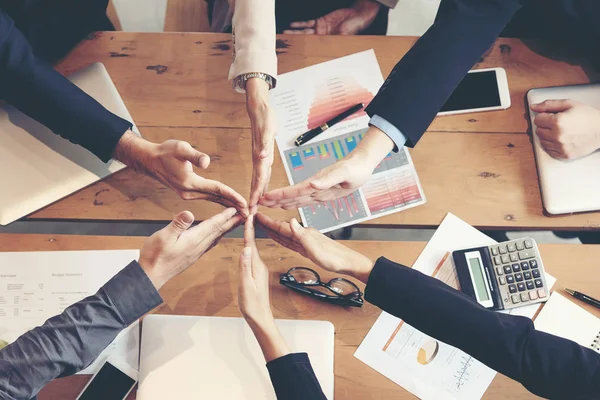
(38, 167)
(219, 358)
(561, 317)
(567, 186)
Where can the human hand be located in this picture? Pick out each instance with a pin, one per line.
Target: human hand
(264, 125)
(253, 284)
(567, 129)
(323, 251)
(174, 248)
(337, 180)
(344, 21)
(172, 164)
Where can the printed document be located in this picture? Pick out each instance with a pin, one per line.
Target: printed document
(35, 286)
(308, 98)
(428, 368)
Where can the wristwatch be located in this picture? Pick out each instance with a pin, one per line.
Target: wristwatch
(239, 83)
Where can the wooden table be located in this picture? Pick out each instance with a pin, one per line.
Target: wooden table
(175, 86)
(210, 288)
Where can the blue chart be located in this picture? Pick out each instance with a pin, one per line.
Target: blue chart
(305, 161)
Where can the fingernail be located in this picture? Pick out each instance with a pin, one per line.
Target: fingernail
(247, 252)
(295, 223)
(187, 217)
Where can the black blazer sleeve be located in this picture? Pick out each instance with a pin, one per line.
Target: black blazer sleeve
(36, 89)
(547, 365)
(426, 76)
(294, 379)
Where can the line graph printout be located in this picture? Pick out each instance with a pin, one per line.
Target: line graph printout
(307, 98)
(426, 367)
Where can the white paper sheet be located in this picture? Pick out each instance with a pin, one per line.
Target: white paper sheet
(35, 286)
(428, 368)
(307, 98)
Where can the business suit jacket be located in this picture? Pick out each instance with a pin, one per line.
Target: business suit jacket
(426, 76)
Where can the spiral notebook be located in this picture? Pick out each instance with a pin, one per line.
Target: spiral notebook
(561, 317)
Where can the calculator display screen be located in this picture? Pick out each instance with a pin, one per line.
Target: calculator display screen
(478, 279)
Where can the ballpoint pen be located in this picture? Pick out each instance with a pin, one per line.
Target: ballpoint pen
(584, 297)
(305, 137)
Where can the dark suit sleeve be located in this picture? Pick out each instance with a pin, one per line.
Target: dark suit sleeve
(426, 76)
(36, 89)
(294, 379)
(546, 365)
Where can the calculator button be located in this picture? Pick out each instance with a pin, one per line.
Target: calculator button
(512, 288)
(525, 254)
(524, 297)
(527, 275)
(514, 257)
(502, 280)
(505, 259)
(524, 265)
(518, 277)
(541, 293)
(516, 267)
(538, 283)
(528, 244)
(499, 271)
(494, 251)
(533, 295)
(536, 273)
(511, 247)
(521, 287)
(497, 260)
(507, 269)
(533, 264)
(510, 279)
(530, 285)
(515, 298)
(502, 249)
(520, 246)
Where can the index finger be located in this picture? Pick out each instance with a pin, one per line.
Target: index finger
(220, 190)
(249, 236)
(544, 120)
(275, 196)
(303, 24)
(277, 227)
(217, 225)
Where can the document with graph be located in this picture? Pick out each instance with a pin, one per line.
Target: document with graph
(309, 97)
(426, 367)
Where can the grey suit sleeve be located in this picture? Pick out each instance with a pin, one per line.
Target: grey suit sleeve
(69, 342)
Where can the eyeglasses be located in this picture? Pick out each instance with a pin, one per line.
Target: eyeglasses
(307, 281)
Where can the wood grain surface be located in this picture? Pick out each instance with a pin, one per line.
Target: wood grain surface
(210, 288)
(488, 180)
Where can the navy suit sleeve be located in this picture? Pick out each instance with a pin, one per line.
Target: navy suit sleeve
(294, 379)
(36, 89)
(547, 365)
(426, 76)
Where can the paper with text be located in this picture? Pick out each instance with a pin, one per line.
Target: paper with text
(35, 286)
(426, 367)
(307, 98)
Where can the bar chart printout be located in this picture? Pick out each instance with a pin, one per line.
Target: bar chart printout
(393, 187)
(307, 98)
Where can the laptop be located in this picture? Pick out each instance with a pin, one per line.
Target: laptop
(38, 167)
(190, 357)
(567, 186)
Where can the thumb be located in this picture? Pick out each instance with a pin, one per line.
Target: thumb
(329, 179)
(552, 106)
(180, 223)
(246, 262)
(186, 152)
(298, 231)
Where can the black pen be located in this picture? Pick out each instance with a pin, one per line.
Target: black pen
(305, 137)
(583, 297)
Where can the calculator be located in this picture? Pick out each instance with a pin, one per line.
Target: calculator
(503, 276)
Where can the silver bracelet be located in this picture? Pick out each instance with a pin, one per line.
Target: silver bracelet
(239, 83)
